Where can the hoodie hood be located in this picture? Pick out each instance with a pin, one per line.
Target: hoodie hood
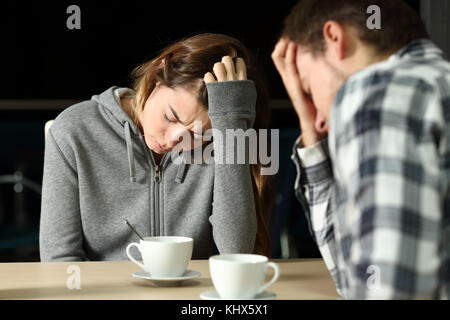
(109, 101)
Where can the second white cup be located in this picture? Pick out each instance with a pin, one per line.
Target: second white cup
(164, 256)
(241, 276)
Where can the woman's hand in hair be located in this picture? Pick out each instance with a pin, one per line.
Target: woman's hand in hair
(227, 70)
(284, 58)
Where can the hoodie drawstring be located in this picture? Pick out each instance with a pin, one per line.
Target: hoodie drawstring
(181, 174)
(130, 152)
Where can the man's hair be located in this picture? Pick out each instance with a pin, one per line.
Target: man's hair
(400, 24)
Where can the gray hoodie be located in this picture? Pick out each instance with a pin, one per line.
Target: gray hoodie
(97, 169)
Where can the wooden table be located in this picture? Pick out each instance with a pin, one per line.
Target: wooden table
(299, 279)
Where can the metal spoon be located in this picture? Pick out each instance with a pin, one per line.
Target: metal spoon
(131, 227)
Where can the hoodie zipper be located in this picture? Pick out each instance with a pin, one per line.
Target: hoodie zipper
(157, 177)
(156, 184)
(157, 180)
(157, 174)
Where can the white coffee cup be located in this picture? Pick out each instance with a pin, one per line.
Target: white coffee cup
(240, 276)
(164, 256)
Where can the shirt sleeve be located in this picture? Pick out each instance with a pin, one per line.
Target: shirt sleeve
(313, 188)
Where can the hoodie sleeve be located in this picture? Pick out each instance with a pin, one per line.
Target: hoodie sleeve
(232, 107)
(60, 234)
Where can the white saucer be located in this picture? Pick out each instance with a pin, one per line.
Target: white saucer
(213, 295)
(167, 281)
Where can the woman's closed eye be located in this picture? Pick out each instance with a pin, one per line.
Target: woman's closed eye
(169, 120)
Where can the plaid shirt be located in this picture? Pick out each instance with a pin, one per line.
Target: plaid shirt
(377, 190)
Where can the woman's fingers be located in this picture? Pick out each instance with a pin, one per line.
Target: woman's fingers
(227, 70)
(209, 78)
(227, 61)
(220, 71)
(241, 69)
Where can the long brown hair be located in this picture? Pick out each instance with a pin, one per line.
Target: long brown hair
(184, 64)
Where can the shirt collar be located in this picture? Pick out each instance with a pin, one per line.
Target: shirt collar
(423, 48)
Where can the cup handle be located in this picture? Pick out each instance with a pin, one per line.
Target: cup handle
(275, 268)
(131, 257)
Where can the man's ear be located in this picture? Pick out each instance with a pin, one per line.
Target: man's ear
(321, 123)
(334, 38)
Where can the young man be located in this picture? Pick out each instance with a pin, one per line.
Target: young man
(373, 159)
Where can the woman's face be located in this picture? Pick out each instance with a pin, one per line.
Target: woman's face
(170, 113)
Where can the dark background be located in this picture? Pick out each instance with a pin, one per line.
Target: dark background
(45, 67)
(44, 59)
